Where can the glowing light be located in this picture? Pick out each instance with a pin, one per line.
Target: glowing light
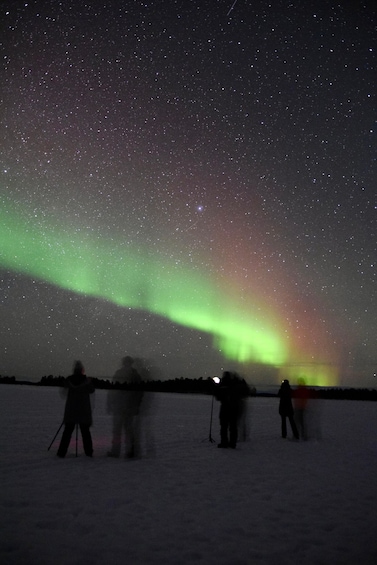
(87, 264)
(321, 374)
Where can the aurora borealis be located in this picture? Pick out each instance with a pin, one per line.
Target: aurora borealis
(189, 184)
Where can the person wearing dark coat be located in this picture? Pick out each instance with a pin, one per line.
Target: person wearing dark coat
(78, 410)
(286, 409)
(231, 393)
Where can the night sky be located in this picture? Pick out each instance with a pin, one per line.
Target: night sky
(192, 183)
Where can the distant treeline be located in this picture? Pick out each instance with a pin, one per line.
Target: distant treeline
(197, 386)
(183, 385)
(348, 393)
(335, 393)
(200, 385)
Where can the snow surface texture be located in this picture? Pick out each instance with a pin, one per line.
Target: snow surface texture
(270, 501)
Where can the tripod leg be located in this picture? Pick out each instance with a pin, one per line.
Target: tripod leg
(77, 433)
(55, 436)
(210, 424)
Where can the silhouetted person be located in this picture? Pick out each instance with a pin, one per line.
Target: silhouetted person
(124, 405)
(231, 393)
(286, 409)
(78, 410)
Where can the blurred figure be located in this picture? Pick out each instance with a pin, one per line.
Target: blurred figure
(78, 410)
(307, 411)
(286, 409)
(231, 393)
(301, 398)
(148, 373)
(243, 421)
(124, 405)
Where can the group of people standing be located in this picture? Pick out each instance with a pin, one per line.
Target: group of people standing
(232, 391)
(124, 406)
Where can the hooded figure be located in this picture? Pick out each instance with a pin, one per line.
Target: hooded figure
(286, 409)
(78, 410)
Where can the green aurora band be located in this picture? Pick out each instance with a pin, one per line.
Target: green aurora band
(87, 264)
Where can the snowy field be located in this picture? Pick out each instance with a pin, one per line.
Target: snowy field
(270, 501)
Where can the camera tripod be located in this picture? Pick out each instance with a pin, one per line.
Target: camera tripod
(56, 435)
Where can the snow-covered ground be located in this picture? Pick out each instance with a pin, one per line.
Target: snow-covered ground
(270, 501)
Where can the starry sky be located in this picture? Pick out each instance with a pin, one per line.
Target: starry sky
(191, 183)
